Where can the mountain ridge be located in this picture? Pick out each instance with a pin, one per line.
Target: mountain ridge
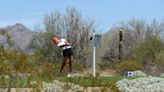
(19, 35)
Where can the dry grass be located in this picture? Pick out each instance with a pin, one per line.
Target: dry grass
(108, 72)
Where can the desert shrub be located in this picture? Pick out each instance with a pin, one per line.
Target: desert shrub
(103, 64)
(128, 66)
(45, 70)
(13, 61)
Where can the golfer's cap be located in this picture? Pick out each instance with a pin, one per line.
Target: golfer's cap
(56, 39)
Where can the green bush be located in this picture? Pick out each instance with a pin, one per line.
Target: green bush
(103, 64)
(128, 66)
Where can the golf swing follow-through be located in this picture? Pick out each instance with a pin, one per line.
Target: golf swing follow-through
(67, 52)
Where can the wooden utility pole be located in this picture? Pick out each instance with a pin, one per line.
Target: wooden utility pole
(120, 44)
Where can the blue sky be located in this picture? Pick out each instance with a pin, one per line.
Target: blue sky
(107, 13)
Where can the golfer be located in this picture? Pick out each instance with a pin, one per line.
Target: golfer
(67, 52)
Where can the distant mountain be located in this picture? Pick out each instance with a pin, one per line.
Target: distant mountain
(16, 37)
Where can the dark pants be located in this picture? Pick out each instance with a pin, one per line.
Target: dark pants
(68, 57)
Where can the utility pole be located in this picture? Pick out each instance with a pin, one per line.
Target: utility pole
(94, 56)
(120, 44)
(96, 42)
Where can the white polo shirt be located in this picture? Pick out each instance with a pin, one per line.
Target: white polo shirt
(64, 43)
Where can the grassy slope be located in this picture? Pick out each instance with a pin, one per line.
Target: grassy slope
(83, 81)
(90, 81)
